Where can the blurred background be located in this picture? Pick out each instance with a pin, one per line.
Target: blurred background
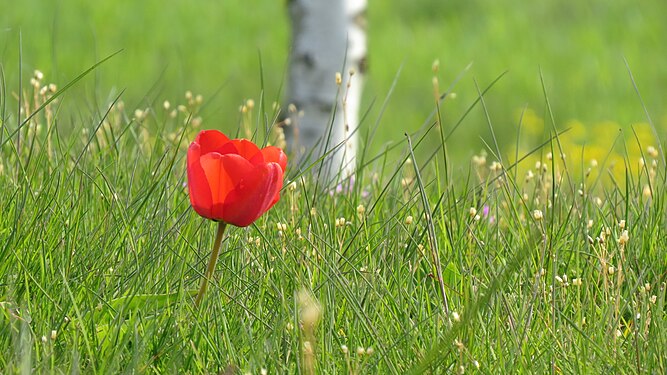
(230, 51)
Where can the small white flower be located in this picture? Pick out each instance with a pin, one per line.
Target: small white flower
(652, 152)
(538, 215)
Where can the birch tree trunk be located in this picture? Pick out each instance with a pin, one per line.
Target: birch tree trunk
(327, 63)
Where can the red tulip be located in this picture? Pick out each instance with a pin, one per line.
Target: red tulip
(233, 181)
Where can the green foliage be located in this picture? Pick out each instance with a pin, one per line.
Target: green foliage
(215, 48)
(543, 268)
(550, 267)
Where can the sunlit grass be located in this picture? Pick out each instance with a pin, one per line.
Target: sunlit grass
(221, 49)
(544, 267)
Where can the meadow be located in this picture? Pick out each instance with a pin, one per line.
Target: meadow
(517, 226)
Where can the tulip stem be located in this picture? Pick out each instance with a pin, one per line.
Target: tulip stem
(211, 262)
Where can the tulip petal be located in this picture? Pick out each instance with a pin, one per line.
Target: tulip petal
(223, 174)
(245, 148)
(198, 187)
(233, 180)
(210, 140)
(272, 154)
(254, 195)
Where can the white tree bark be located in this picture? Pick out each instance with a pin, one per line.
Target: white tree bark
(328, 37)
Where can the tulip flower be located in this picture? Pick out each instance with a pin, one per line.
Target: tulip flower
(232, 182)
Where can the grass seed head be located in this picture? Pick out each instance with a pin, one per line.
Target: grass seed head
(538, 215)
(624, 238)
(652, 152)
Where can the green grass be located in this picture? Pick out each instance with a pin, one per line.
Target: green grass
(215, 48)
(102, 255)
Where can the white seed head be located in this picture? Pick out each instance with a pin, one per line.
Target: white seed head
(538, 215)
(646, 192)
(310, 310)
(624, 238)
(139, 114)
(652, 152)
(479, 160)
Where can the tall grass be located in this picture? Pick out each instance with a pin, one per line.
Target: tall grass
(542, 270)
